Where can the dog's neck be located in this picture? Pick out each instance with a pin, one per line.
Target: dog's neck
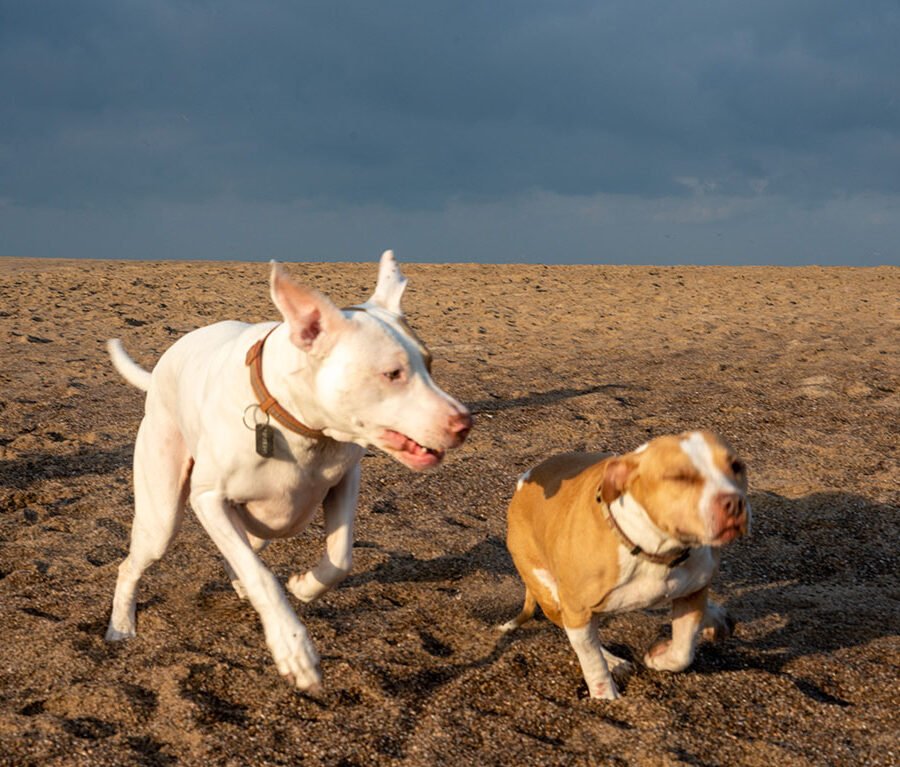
(293, 388)
(634, 521)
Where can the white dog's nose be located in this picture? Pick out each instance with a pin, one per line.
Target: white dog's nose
(460, 426)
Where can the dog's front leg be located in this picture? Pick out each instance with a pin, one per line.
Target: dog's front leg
(286, 636)
(586, 643)
(340, 512)
(258, 545)
(677, 653)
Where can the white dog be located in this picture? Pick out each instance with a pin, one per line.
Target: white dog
(326, 384)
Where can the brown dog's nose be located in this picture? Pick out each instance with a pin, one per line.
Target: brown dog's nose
(731, 504)
(461, 425)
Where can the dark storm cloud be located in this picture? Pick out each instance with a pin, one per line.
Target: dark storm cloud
(414, 104)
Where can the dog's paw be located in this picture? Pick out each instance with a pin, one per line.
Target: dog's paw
(295, 657)
(718, 625)
(239, 589)
(664, 657)
(605, 690)
(620, 668)
(119, 630)
(505, 628)
(306, 587)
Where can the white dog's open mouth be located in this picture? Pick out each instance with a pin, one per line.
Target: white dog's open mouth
(408, 451)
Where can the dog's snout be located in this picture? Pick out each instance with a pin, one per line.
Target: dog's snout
(461, 425)
(731, 517)
(731, 504)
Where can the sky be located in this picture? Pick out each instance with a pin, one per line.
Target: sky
(510, 131)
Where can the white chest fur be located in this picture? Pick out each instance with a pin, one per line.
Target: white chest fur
(279, 495)
(644, 584)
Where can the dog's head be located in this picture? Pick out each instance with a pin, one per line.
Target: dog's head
(693, 486)
(369, 372)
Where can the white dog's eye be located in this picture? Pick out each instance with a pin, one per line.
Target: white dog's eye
(394, 375)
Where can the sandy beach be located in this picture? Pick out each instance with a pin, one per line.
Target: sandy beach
(797, 367)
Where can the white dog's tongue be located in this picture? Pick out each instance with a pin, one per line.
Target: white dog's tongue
(394, 440)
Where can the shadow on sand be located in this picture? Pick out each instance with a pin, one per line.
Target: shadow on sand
(23, 471)
(547, 398)
(820, 563)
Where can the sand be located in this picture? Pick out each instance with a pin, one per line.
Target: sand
(798, 368)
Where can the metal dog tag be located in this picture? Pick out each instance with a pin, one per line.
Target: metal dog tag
(265, 440)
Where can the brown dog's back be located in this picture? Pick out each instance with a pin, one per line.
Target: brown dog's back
(540, 513)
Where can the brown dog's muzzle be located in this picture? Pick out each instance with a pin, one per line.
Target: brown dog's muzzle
(730, 517)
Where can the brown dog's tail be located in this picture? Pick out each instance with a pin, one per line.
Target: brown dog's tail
(523, 617)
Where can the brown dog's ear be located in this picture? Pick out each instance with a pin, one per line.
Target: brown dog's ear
(616, 474)
(309, 314)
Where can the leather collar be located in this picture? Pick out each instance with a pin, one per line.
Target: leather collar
(267, 403)
(672, 559)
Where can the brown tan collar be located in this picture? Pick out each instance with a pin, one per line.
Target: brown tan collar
(672, 559)
(267, 403)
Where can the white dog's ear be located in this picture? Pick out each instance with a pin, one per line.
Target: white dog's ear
(391, 284)
(311, 317)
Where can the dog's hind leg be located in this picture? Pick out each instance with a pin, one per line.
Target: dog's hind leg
(717, 623)
(523, 617)
(618, 667)
(162, 469)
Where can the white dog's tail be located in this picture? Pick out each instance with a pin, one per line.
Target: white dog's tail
(127, 367)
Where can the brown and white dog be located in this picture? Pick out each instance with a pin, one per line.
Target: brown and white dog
(592, 533)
